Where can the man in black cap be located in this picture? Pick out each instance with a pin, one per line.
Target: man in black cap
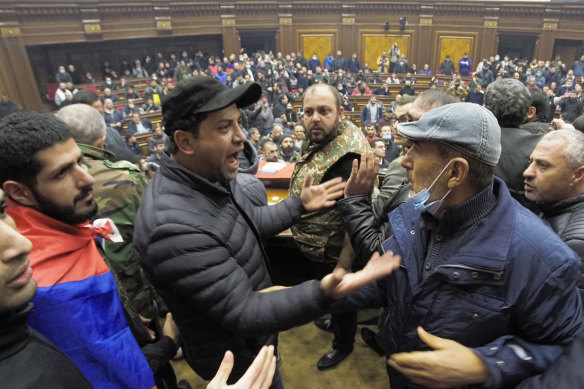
(199, 237)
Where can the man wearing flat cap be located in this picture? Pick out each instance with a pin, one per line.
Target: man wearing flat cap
(485, 293)
(199, 238)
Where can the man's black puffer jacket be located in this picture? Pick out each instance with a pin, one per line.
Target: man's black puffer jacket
(566, 218)
(200, 244)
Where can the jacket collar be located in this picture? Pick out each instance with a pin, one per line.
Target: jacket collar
(487, 250)
(14, 332)
(95, 152)
(174, 171)
(552, 209)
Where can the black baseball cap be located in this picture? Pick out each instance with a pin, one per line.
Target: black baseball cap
(205, 94)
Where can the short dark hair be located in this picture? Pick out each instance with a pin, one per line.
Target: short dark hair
(578, 123)
(85, 97)
(509, 100)
(190, 123)
(539, 101)
(373, 141)
(22, 135)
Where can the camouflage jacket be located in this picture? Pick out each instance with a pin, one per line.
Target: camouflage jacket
(118, 192)
(320, 234)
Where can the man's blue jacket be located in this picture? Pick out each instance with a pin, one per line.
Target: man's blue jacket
(508, 291)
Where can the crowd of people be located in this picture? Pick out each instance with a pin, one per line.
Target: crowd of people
(470, 241)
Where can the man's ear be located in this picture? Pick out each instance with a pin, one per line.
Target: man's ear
(184, 141)
(578, 175)
(459, 171)
(531, 112)
(341, 111)
(19, 193)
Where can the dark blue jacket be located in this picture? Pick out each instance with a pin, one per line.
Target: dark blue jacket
(508, 291)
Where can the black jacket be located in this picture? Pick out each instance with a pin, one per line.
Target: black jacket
(517, 144)
(28, 360)
(201, 246)
(566, 218)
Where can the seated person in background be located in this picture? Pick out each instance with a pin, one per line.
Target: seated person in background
(254, 137)
(131, 93)
(378, 147)
(133, 144)
(299, 136)
(130, 108)
(88, 79)
(361, 90)
(157, 137)
(392, 150)
(139, 125)
(371, 132)
(287, 152)
(150, 106)
(407, 89)
(393, 79)
(476, 96)
(270, 152)
(108, 83)
(425, 70)
(62, 95)
(113, 118)
(153, 89)
(346, 104)
(63, 75)
(108, 94)
(383, 90)
(156, 158)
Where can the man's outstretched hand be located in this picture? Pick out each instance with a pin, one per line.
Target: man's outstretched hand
(449, 364)
(258, 376)
(339, 283)
(362, 176)
(315, 197)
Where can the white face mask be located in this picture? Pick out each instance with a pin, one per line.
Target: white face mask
(420, 198)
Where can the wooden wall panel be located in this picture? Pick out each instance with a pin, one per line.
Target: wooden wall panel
(322, 44)
(435, 27)
(374, 44)
(456, 46)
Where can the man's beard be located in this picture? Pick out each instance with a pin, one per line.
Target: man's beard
(286, 150)
(65, 213)
(327, 137)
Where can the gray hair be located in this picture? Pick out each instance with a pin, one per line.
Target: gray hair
(86, 122)
(574, 153)
(434, 98)
(509, 100)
